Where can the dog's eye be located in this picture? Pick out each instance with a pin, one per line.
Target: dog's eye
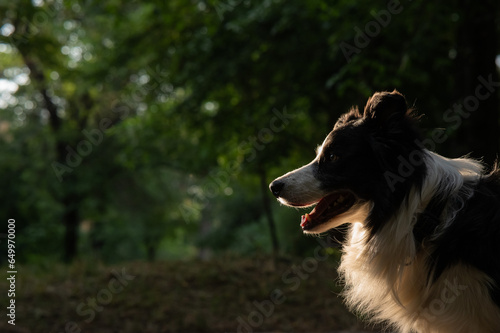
(333, 157)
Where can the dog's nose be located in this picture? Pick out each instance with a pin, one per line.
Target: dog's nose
(276, 187)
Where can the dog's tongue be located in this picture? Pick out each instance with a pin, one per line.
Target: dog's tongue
(315, 215)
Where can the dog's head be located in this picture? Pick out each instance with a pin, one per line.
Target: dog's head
(350, 178)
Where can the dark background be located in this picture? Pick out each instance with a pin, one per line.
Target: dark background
(141, 135)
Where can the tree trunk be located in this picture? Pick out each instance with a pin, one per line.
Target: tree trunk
(267, 210)
(70, 218)
(204, 252)
(151, 252)
(70, 221)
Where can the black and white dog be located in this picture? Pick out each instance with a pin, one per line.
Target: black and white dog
(423, 249)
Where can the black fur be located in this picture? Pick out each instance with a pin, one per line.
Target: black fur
(474, 236)
(384, 134)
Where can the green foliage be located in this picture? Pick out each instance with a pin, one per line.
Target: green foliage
(179, 110)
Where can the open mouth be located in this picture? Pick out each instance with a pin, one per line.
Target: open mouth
(327, 208)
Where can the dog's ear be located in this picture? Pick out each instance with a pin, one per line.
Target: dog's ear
(383, 106)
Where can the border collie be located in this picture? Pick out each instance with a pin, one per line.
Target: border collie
(422, 253)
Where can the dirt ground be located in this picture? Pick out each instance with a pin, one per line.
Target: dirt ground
(230, 294)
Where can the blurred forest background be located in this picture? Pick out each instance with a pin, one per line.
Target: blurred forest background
(148, 131)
